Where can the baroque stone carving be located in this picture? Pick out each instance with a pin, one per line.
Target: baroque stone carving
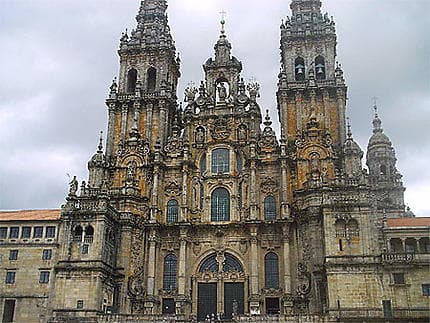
(304, 281)
(269, 185)
(220, 129)
(172, 189)
(135, 285)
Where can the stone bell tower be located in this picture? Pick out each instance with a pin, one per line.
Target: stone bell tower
(311, 92)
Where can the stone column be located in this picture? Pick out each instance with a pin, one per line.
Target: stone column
(299, 109)
(284, 203)
(162, 126)
(151, 263)
(154, 202)
(124, 115)
(149, 122)
(253, 203)
(110, 130)
(184, 206)
(326, 102)
(254, 304)
(341, 111)
(182, 273)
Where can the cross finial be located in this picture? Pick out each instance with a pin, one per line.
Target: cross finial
(375, 105)
(348, 123)
(223, 14)
(100, 146)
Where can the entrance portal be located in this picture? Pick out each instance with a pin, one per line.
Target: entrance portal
(207, 300)
(233, 299)
(8, 310)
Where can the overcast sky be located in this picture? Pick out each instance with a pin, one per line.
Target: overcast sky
(58, 58)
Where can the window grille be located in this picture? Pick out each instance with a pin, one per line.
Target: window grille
(44, 277)
(220, 161)
(172, 211)
(169, 274)
(269, 208)
(271, 270)
(231, 264)
(220, 205)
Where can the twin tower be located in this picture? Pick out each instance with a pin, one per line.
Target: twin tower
(199, 210)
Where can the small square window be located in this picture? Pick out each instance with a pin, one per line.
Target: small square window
(26, 233)
(44, 277)
(85, 249)
(399, 278)
(13, 255)
(14, 233)
(10, 277)
(46, 254)
(80, 304)
(50, 232)
(426, 289)
(3, 233)
(38, 232)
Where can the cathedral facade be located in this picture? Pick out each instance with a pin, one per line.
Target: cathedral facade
(198, 211)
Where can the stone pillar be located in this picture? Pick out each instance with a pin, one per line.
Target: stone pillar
(154, 202)
(182, 274)
(254, 304)
(341, 112)
(326, 102)
(149, 122)
(124, 115)
(284, 203)
(150, 300)
(162, 127)
(299, 109)
(253, 203)
(288, 304)
(184, 203)
(110, 131)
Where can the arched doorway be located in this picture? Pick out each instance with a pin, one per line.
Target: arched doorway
(219, 287)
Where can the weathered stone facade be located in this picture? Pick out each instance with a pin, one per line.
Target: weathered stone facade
(199, 210)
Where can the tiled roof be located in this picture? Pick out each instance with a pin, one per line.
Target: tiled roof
(30, 215)
(408, 222)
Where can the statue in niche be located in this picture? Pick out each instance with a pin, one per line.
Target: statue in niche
(222, 92)
(241, 133)
(200, 135)
(131, 172)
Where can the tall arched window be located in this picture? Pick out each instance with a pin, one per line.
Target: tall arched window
(169, 273)
(77, 233)
(320, 68)
(209, 264)
(131, 80)
(151, 80)
(231, 264)
(271, 270)
(299, 67)
(172, 211)
(220, 205)
(220, 161)
(269, 208)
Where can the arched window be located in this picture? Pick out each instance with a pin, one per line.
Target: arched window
(220, 161)
(209, 264)
(320, 68)
(220, 205)
(172, 211)
(77, 233)
(203, 165)
(231, 264)
(271, 270)
(269, 208)
(340, 227)
(89, 231)
(169, 272)
(383, 170)
(151, 80)
(353, 230)
(299, 67)
(131, 80)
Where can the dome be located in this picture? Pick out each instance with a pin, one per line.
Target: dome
(379, 138)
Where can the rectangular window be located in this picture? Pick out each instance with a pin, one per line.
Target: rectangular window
(14, 233)
(386, 306)
(46, 254)
(38, 232)
(50, 232)
(8, 310)
(10, 277)
(220, 161)
(80, 304)
(85, 249)
(13, 255)
(399, 278)
(3, 233)
(26, 232)
(44, 277)
(426, 289)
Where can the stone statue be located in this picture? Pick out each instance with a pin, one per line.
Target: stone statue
(200, 135)
(73, 186)
(131, 172)
(222, 92)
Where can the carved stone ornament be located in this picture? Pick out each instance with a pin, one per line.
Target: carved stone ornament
(139, 147)
(304, 281)
(136, 285)
(242, 133)
(174, 145)
(269, 185)
(172, 189)
(200, 135)
(220, 129)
